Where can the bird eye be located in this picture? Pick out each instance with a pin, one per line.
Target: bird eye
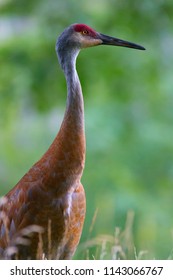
(84, 32)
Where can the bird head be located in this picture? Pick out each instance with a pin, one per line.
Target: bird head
(79, 36)
(82, 36)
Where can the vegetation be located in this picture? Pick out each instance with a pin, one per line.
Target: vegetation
(128, 114)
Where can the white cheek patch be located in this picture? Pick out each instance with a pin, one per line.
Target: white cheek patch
(90, 42)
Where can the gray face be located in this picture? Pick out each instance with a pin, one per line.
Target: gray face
(67, 40)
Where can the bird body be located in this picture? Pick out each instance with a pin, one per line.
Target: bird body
(46, 209)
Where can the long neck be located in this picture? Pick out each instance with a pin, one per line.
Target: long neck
(68, 148)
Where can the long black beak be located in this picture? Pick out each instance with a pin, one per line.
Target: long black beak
(107, 40)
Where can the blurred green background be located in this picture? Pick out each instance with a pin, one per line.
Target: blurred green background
(128, 114)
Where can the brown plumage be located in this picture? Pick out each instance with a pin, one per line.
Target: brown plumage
(46, 209)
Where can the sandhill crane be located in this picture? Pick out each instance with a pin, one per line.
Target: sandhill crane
(48, 203)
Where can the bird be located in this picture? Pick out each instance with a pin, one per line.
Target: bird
(43, 215)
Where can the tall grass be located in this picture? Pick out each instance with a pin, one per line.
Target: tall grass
(117, 246)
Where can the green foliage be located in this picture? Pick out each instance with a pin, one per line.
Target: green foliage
(128, 109)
